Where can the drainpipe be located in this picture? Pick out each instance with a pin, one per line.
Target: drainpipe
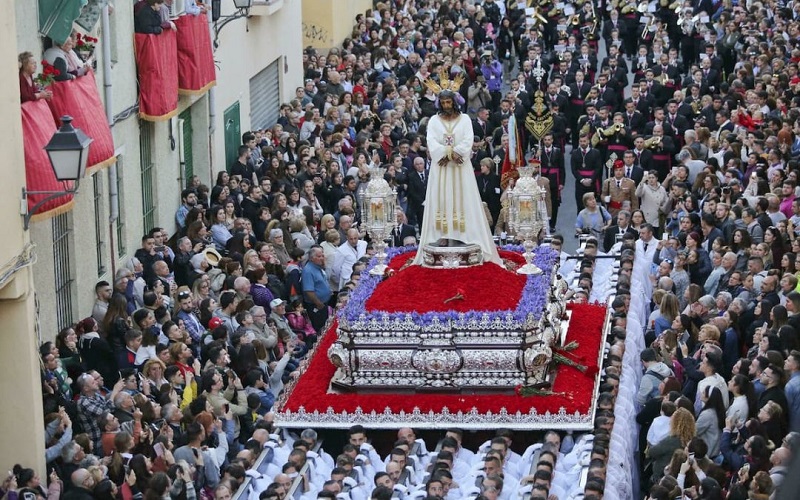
(212, 112)
(113, 195)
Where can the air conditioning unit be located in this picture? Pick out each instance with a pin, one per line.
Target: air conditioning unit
(178, 8)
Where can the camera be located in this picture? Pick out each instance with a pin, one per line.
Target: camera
(726, 190)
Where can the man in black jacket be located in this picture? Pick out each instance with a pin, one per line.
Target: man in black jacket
(552, 167)
(489, 188)
(417, 186)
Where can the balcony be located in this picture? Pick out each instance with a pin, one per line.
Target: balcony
(173, 62)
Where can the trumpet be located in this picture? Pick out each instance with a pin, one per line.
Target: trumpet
(653, 142)
(612, 129)
(574, 20)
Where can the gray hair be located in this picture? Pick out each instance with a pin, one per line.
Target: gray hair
(69, 451)
(183, 240)
(83, 379)
(274, 233)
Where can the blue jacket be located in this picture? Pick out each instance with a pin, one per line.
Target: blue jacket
(493, 73)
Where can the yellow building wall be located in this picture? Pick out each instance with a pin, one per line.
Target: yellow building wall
(326, 23)
(22, 438)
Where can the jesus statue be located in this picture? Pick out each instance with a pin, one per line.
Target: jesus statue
(453, 213)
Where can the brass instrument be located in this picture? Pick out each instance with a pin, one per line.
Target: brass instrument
(618, 127)
(587, 127)
(574, 20)
(646, 29)
(597, 137)
(611, 129)
(614, 4)
(653, 142)
(695, 106)
(627, 9)
(663, 3)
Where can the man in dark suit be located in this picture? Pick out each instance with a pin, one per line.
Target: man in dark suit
(552, 167)
(587, 167)
(710, 75)
(417, 187)
(480, 124)
(724, 124)
(553, 97)
(478, 153)
(489, 188)
(708, 224)
(633, 119)
(402, 231)
(632, 170)
(619, 229)
(643, 156)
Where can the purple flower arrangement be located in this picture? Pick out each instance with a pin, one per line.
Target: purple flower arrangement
(534, 297)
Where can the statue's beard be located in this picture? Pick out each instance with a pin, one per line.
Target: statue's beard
(449, 112)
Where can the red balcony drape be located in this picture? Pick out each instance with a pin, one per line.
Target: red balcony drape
(157, 66)
(38, 127)
(196, 71)
(79, 99)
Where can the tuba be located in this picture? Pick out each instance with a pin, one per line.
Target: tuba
(587, 127)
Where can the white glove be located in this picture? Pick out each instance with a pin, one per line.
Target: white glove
(275, 437)
(364, 459)
(349, 481)
(400, 488)
(312, 454)
(366, 446)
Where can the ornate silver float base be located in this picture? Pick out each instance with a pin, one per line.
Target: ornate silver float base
(451, 257)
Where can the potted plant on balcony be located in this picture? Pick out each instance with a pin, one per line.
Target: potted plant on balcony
(84, 46)
(47, 76)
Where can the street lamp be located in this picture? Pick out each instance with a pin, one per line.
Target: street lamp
(68, 151)
(242, 10)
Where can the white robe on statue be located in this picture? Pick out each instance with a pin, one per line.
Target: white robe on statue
(453, 207)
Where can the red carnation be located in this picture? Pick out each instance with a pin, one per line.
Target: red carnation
(56, 72)
(78, 36)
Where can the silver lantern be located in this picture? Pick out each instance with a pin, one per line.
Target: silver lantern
(525, 215)
(378, 217)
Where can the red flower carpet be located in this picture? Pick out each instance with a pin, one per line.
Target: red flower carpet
(311, 392)
(422, 291)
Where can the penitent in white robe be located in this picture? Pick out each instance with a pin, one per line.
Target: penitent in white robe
(453, 207)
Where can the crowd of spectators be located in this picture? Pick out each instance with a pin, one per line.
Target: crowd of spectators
(166, 387)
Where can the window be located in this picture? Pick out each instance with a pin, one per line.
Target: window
(97, 201)
(121, 250)
(62, 269)
(146, 132)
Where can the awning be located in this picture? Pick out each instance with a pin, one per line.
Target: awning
(56, 18)
(79, 99)
(38, 127)
(196, 71)
(90, 14)
(157, 66)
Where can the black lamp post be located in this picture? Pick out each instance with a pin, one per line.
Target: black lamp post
(68, 151)
(242, 10)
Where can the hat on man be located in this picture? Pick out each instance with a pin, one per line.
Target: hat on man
(275, 303)
(214, 322)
